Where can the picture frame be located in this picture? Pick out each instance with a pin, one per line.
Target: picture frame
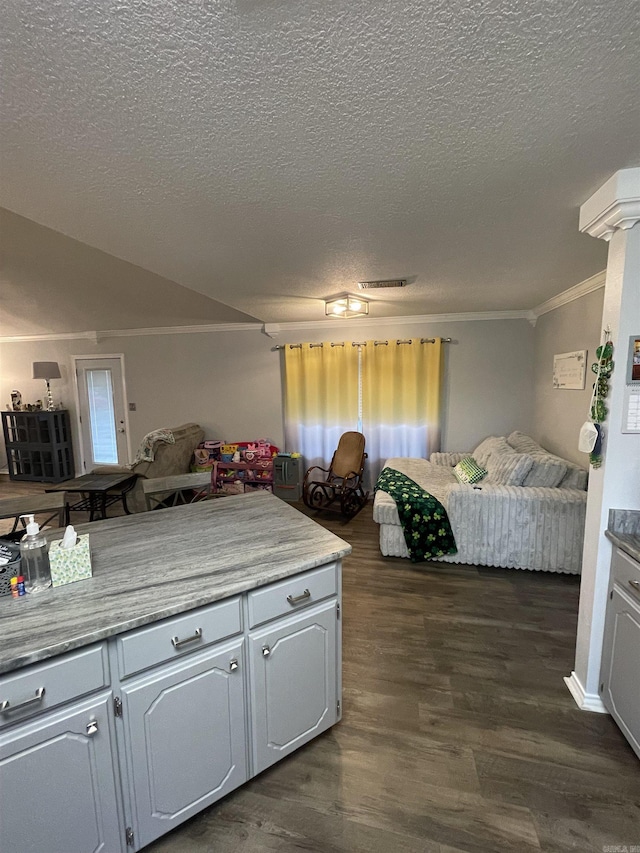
(633, 364)
(569, 369)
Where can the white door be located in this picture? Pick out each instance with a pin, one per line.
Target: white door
(103, 420)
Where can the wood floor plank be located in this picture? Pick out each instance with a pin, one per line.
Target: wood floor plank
(371, 786)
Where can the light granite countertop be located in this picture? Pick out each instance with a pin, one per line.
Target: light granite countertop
(157, 564)
(624, 531)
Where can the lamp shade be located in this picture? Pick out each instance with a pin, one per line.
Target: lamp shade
(46, 370)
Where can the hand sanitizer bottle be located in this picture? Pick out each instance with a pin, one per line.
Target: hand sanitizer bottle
(35, 558)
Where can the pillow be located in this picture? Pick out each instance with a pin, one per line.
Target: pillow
(547, 470)
(523, 443)
(468, 471)
(508, 468)
(487, 447)
(575, 478)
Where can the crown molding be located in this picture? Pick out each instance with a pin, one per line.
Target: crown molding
(95, 337)
(595, 282)
(615, 205)
(56, 336)
(273, 330)
(373, 322)
(183, 330)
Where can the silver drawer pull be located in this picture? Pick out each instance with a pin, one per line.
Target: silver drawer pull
(294, 599)
(233, 664)
(266, 651)
(6, 707)
(176, 642)
(635, 585)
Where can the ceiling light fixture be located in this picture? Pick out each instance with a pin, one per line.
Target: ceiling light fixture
(391, 282)
(346, 307)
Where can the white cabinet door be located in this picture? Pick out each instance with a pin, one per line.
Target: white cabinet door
(185, 738)
(57, 783)
(620, 690)
(294, 682)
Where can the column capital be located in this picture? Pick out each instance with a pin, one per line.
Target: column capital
(615, 205)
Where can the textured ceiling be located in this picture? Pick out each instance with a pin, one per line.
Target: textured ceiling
(270, 153)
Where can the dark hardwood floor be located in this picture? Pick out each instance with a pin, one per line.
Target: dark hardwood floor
(458, 735)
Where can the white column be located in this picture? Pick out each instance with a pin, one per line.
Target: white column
(612, 213)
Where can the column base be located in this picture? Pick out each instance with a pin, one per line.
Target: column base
(584, 701)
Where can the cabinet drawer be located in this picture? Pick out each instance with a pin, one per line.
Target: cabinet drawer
(44, 686)
(171, 638)
(287, 596)
(626, 573)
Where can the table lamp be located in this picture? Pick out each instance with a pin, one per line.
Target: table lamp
(47, 370)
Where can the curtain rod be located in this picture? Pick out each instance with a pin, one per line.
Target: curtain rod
(362, 343)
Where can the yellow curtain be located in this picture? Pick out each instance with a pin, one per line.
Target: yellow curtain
(320, 398)
(401, 389)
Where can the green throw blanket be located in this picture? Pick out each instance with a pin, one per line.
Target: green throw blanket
(424, 520)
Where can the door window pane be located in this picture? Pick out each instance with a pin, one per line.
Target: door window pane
(102, 417)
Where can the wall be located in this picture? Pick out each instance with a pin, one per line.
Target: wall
(52, 283)
(230, 381)
(558, 413)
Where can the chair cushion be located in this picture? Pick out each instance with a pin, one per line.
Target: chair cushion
(468, 471)
(349, 456)
(508, 468)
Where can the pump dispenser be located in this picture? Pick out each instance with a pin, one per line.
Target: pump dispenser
(35, 557)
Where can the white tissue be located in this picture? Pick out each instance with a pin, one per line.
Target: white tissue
(70, 537)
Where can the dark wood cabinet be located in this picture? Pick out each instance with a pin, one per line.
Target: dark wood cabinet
(38, 445)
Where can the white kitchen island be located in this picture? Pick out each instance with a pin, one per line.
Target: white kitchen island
(206, 647)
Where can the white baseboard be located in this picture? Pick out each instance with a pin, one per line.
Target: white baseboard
(584, 701)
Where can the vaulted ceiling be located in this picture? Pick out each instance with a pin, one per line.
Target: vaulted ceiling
(271, 153)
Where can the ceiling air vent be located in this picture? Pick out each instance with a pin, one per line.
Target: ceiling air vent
(393, 282)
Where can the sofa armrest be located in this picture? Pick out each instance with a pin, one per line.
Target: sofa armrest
(449, 459)
(523, 526)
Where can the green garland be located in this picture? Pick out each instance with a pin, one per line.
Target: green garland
(603, 368)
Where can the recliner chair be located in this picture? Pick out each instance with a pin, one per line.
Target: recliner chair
(169, 459)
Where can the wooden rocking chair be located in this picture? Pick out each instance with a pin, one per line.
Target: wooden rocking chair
(343, 482)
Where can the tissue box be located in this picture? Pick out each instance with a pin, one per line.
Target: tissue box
(70, 564)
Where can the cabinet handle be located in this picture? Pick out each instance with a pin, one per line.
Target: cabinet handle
(266, 651)
(294, 599)
(635, 585)
(92, 727)
(233, 664)
(176, 642)
(6, 707)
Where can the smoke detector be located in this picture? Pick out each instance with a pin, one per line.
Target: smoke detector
(392, 282)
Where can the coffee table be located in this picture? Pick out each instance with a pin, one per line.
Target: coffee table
(97, 491)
